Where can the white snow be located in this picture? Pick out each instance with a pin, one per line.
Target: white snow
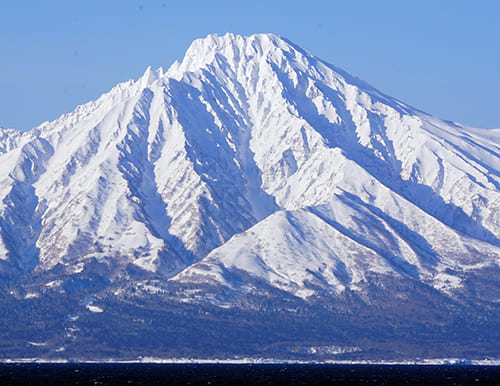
(37, 344)
(251, 154)
(94, 309)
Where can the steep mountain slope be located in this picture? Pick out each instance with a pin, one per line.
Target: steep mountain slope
(251, 155)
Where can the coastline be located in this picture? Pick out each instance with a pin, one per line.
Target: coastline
(260, 361)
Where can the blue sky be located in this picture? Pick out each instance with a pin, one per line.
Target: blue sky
(442, 57)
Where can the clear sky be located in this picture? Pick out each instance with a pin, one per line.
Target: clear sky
(440, 56)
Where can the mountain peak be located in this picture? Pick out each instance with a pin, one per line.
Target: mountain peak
(234, 49)
(150, 76)
(218, 43)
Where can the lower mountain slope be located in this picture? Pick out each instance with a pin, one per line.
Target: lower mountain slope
(337, 246)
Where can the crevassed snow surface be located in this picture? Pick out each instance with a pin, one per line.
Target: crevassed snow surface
(251, 154)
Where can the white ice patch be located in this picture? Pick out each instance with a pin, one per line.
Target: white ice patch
(446, 282)
(37, 344)
(94, 309)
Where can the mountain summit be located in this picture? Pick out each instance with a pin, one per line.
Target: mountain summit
(251, 165)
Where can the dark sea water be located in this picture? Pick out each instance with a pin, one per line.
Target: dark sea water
(248, 374)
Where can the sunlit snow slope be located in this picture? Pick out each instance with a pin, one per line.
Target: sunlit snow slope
(251, 155)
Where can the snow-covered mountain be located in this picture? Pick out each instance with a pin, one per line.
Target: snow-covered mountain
(251, 156)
